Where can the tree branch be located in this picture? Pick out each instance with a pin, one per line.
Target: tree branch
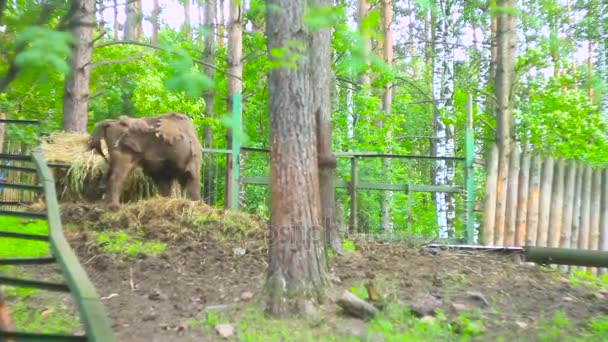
(118, 61)
(156, 47)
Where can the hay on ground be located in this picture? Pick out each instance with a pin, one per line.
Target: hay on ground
(84, 176)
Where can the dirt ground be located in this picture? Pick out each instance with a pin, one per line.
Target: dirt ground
(156, 298)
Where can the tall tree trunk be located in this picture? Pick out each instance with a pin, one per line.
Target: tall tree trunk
(155, 22)
(297, 274)
(76, 86)
(208, 96)
(387, 100)
(235, 84)
(321, 78)
(187, 26)
(443, 94)
(116, 23)
(503, 89)
(133, 27)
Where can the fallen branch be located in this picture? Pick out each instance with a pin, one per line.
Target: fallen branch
(356, 306)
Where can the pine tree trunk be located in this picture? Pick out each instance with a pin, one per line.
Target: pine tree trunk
(235, 71)
(208, 96)
(296, 274)
(133, 28)
(76, 86)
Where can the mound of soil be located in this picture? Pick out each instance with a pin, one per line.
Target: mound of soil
(220, 259)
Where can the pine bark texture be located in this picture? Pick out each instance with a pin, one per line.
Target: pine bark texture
(297, 266)
(76, 86)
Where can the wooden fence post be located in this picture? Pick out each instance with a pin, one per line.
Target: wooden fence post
(512, 187)
(557, 203)
(522, 201)
(490, 198)
(576, 213)
(568, 208)
(604, 217)
(501, 198)
(583, 236)
(594, 224)
(533, 201)
(545, 202)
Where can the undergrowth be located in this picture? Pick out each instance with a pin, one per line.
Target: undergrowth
(128, 245)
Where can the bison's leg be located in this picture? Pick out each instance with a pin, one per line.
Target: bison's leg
(122, 164)
(190, 182)
(164, 186)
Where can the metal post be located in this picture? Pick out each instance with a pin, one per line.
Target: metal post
(469, 172)
(354, 181)
(236, 149)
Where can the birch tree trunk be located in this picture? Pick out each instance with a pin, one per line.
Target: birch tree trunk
(76, 86)
(296, 273)
(235, 83)
(443, 94)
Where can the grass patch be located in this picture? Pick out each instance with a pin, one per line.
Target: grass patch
(30, 312)
(55, 318)
(582, 278)
(12, 248)
(128, 246)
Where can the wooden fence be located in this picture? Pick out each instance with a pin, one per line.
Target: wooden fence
(544, 202)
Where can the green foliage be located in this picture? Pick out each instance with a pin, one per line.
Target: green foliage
(545, 122)
(43, 48)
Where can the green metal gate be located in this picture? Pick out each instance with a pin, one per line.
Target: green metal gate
(92, 314)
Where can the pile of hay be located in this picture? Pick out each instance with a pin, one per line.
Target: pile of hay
(84, 171)
(166, 219)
